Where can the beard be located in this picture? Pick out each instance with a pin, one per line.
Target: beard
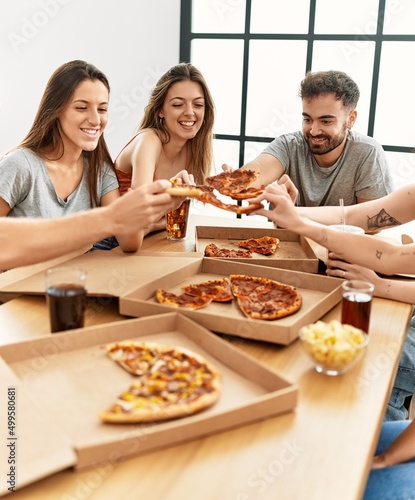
(329, 143)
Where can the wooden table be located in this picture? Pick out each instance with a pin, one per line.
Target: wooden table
(320, 451)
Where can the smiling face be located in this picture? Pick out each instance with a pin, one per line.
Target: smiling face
(85, 117)
(183, 109)
(325, 124)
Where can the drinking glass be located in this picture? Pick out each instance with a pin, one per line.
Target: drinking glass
(357, 303)
(66, 297)
(177, 221)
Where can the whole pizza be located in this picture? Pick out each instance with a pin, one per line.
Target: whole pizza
(170, 382)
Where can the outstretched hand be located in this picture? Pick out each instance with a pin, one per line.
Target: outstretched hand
(286, 181)
(283, 211)
(140, 207)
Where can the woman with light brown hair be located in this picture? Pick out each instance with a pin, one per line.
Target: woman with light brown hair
(175, 133)
(175, 136)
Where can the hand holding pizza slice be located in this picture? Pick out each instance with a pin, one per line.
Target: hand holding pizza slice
(234, 184)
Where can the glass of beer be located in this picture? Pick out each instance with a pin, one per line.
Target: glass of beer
(357, 303)
(177, 221)
(66, 298)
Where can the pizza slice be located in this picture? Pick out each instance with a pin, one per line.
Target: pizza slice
(247, 193)
(205, 194)
(265, 299)
(180, 383)
(183, 300)
(217, 290)
(230, 183)
(213, 250)
(266, 245)
(136, 358)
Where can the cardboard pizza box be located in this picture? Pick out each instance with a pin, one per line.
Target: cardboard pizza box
(293, 252)
(319, 295)
(110, 274)
(63, 381)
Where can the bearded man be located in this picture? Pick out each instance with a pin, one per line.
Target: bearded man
(327, 160)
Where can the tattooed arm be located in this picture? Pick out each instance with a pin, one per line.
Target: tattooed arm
(366, 251)
(389, 211)
(403, 291)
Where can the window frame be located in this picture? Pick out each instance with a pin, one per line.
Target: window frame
(187, 36)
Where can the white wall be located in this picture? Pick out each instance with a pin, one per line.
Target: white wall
(132, 41)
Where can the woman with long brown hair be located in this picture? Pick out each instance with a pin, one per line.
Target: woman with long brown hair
(63, 164)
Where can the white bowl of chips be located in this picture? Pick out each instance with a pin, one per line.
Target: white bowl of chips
(333, 347)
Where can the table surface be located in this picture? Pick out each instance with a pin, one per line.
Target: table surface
(321, 450)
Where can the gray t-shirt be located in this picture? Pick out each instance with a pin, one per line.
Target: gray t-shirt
(360, 172)
(26, 186)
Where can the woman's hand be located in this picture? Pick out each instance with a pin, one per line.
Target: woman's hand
(285, 181)
(185, 177)
(283, 212)
(227, 168)
(340, 269)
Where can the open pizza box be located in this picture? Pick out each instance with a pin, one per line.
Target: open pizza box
(319, 295)
(110, 274)
(62, 382)
(293, 252)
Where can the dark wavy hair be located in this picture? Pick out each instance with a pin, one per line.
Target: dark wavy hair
(44, 136)
(330, 82)
(200, 159)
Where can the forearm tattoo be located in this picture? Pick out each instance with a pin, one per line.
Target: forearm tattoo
(381, 220)
(404, 253)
